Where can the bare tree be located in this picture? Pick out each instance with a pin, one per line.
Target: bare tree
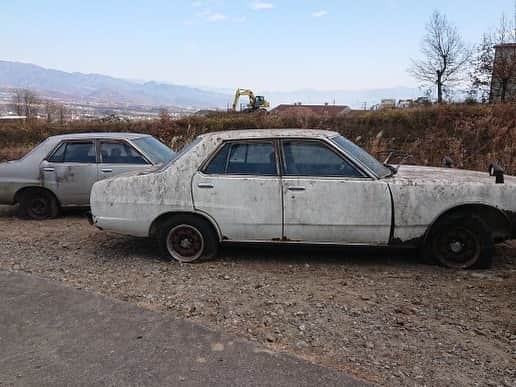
(482, 69)
(50, 110)
(61, 112)
(26, 103)
(494, 63)
(18, 101)
(30, 102)
(164, 115)
(55, 111)
(445, 55)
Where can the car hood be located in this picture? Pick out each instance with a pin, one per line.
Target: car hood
(412, 174)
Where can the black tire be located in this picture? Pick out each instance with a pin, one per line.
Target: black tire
(187, 239)
(459, 242)
(39, 205)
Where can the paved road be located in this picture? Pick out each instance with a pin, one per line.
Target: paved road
(54, 335)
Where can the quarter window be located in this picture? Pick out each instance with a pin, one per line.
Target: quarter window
(254, 158)
(217, 165)
(117, 152)
(303, 158)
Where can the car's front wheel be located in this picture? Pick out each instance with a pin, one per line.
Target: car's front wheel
(188, 238)
(460, 242)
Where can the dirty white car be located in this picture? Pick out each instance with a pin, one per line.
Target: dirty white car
(61, 170)
(310, 187)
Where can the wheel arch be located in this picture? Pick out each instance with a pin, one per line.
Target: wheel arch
(498, 222)
(158, 221)
(34, 188)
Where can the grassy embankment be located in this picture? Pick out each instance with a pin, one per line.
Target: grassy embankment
(473, 136)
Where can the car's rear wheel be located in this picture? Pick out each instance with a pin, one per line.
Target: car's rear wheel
(39, 205)
(460, 242)
(188, 239)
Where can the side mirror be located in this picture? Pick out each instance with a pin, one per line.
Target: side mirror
(448, 162)
(496, 171)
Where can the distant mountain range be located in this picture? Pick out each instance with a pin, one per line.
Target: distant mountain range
(102, 89)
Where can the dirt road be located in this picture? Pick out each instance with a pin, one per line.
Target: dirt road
(382, 317)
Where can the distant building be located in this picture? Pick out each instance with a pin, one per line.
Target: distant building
(320, 110)
(12, 118)
(503, 81)
(389, 103)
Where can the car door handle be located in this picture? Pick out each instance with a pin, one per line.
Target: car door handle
(296, 188)
(106, 170)
(49, 169)
(205, 185)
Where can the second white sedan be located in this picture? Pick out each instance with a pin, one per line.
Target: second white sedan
(306, 186)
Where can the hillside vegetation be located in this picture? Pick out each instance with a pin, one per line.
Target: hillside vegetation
(472, 135)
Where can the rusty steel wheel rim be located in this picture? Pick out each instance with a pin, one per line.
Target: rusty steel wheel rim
(39, 207)
(185, 243)
(458, 247)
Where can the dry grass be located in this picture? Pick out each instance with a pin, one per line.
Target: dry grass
(473, 136)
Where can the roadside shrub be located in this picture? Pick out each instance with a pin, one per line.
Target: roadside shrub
(472, 135)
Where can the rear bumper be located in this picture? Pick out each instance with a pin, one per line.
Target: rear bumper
(125, 226)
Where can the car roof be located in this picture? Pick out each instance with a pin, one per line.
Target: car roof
(101, 135)
(270, 133)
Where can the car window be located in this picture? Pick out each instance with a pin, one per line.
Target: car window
(75, 152)
(303, 158)
(58, 155)
(254, 158)
(80, 152)
(119, 152)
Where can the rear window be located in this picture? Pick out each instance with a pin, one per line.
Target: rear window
(75, 152)
(253, 158)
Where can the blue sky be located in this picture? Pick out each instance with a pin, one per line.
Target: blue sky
(265, 45)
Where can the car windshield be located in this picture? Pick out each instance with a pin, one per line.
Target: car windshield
(362, 156)
(158, 152)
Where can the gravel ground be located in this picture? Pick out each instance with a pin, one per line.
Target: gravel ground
(377, 315)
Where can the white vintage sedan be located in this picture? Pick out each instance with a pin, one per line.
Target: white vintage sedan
(307, 187)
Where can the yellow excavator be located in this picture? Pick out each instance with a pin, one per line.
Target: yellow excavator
(256, 102)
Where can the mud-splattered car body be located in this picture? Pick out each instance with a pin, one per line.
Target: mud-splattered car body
(361, 202)
(64, 168)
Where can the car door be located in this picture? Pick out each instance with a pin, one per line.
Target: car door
(329, 199)
(118, 156)
(240, 189)
(70, 171)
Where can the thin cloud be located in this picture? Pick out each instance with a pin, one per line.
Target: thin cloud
(259, 5)
(211, 16)
(320, 13)
(217, 16)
